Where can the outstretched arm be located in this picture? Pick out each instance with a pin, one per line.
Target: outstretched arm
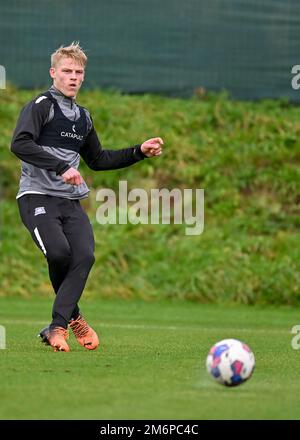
(98, 158)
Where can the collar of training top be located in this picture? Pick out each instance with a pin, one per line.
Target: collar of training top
(60, 97)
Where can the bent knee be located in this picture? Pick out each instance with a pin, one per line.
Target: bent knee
(89, 259)
(86, 259)
(59, 256)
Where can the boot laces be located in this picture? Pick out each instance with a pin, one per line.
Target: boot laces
(80, 327)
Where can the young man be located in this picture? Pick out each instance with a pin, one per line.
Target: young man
(51, 135)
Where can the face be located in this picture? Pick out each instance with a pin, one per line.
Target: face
(67, 76)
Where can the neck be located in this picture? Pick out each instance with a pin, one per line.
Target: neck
(72, 98)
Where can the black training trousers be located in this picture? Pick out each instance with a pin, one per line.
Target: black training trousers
(62, 230)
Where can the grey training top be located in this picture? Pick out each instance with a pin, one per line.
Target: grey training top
(43, 165)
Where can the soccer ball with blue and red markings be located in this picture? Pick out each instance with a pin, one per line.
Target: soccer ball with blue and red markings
(230, 362)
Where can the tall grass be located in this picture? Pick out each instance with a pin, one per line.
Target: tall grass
(244, 155)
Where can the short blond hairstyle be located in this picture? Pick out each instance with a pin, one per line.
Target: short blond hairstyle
(73, 51)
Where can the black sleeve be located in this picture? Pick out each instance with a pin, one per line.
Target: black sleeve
(98, 159)
(30, 123)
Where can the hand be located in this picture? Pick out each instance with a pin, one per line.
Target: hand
(73, 177)
(152, 147)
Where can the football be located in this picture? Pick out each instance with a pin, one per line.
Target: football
(230, 362)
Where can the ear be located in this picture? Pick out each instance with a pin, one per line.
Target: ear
(52, 72)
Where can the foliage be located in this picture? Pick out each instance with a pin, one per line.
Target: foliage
(246, 157)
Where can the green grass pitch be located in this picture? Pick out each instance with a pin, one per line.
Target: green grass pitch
(151, 363)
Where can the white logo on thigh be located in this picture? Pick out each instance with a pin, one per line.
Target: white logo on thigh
(39, 210)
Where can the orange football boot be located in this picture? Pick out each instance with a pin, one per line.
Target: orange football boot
(85, 335)
(57, 339)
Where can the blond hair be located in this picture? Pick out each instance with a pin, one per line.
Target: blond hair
(73, 51)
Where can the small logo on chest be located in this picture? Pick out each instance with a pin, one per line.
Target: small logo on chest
(39, 210)
(73, 135)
